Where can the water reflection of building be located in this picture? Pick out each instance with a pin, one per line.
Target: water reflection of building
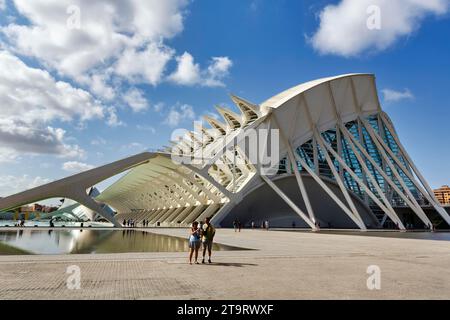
(55, 242)
(36, 207)
(31, 211)
(443, 194)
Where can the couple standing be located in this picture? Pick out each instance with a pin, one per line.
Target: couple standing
(203, 234)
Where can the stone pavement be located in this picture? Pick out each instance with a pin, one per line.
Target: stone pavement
(284, 265)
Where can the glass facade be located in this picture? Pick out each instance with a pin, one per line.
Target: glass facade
(340, 144)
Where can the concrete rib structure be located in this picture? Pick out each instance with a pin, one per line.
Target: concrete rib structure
(341, 164)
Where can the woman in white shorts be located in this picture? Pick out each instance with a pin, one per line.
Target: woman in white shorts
(194, 242)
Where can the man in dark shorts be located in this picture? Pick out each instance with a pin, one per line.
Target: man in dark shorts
(208, 232)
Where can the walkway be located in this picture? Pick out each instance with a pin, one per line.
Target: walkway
(285, 265)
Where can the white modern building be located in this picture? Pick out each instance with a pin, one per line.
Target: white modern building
(339, 164)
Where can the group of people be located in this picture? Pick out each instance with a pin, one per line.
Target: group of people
(20, 223)
(409, 225)
(129, 223)
(201, 234)
(265, 225)
(133, 223)
(237, 225)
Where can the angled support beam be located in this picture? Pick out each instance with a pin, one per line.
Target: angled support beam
(194, 214)
(297, 173)
(160, 215)
(223, 211)
(380, 170)
(428, 193)
(88, 202)
(360, 113)
(167, 214)
(328, 191)
(316, 174)
(179, 182)
(289, 202)
(205, 175)
(361, 139)
(390, 210)
(154, 215)
(417, 208)
(315, 156)
(172, 215)
(380, 124)
(182, 214)
(341, 185)
(386, 207)
(386, 121)
(176, 189)
(76, 185)
(209, 211)
(164, 194)
(190, 177)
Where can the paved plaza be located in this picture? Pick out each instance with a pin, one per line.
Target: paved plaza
(284, 265)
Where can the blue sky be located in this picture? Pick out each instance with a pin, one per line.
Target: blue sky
(136, 70)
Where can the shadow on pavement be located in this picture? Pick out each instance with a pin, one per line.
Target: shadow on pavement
(231, 264)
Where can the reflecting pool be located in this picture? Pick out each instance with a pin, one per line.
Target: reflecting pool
(32, 241)
(41, 223)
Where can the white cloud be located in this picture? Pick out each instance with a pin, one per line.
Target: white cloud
(76, 167)
(98, 84)
(107, 29)
(344, 30)
(30, 99)
(145, 66)
(394, 96)
(189, 73)
(34, 95)
(136, 100)
(217, 70)
(179, 113)
(2, 4)
(10, 184)
(8, 155)
(118, 44)
(112, 119)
